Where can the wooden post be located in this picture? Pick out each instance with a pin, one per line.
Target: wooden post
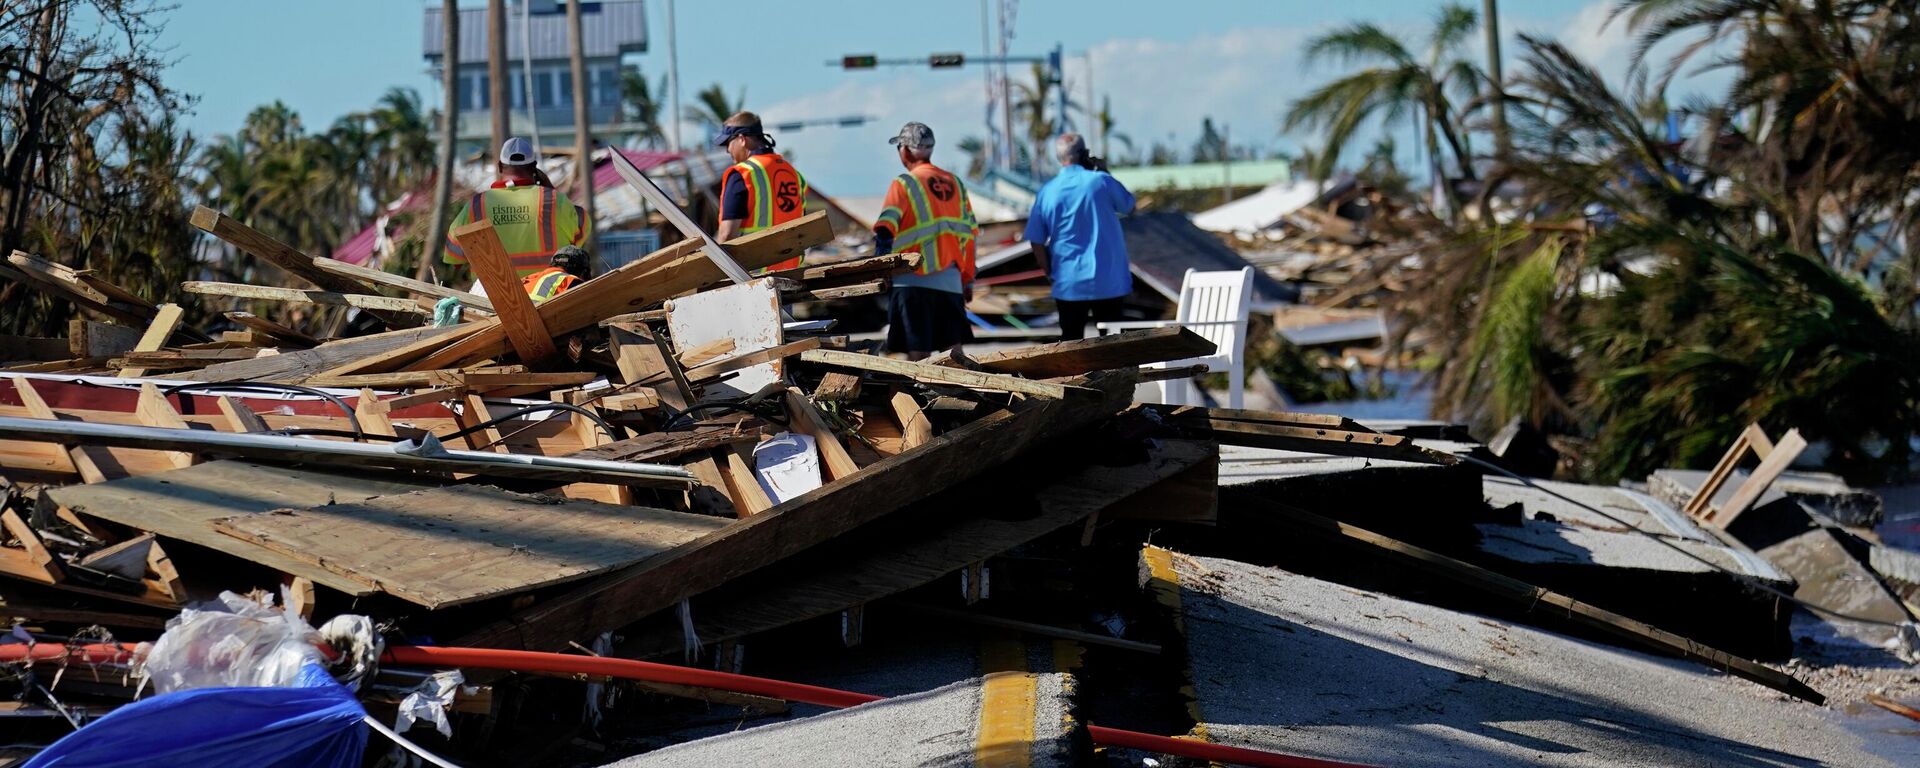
(582, 121)
(488, 259)
(156, 336)
(497, 71)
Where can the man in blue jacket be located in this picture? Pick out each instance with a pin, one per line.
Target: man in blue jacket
(1075, 231)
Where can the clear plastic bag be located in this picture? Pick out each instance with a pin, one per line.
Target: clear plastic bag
(233, 642)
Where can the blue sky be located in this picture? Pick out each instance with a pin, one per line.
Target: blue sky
(1164, 65)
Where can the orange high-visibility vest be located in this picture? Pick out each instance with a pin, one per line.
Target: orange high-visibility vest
(776, 194)
(927, 212)
(548, 283)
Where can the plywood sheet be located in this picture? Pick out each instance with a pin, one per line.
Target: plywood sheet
(183, 503)
(454, 545)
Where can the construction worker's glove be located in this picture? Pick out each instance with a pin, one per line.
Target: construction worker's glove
(446, 312)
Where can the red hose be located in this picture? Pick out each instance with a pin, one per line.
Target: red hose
(567, 664)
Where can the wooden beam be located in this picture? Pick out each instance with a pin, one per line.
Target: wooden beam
(651, 279)
(90, 338)
(1329, 442)
(1530, 598)
(442, 395)
(240, 418)
(804, 417)
(915, 429)
(372, 412)
(288, 336)
(1120, 350)
(475, 414)
(703, 353)
(83, 460)
(655, 447)
(334, 357)
(399, 307)
(1779, 457)
(155, 411)
(372, 276)
(837, 387)
(854, 270)
(525, 329)
(156, 336)
(32, 561)
(289, 259)
(66, 283)
(800, 523)
(934, 374)
(743, 485)
(713, 370)
(838, 292)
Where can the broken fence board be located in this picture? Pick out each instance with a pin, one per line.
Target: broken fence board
(934, 374)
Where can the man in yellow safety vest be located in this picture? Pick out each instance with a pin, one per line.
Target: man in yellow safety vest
(569, 269)
(532, 218)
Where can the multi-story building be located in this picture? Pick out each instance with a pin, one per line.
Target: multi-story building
(612, 30)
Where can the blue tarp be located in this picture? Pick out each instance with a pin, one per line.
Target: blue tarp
(315, 724)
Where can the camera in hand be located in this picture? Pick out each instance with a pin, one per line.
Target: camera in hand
(1093, 163)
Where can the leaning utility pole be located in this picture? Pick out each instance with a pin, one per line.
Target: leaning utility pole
(435, 242)
(1490, 9)
(582, 128)
(497, 70)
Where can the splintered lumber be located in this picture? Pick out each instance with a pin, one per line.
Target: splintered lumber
(455, 545)
(1532, 597)
(1778, 458)
(372, 413)
(837, 387)
(934, 374)
(528, 333)
(838, 292)
(397, 356)
(141, 362)
(92, 463)
(802, 522)
(287, 336)
(948, 533)
(701, 354)
(372, 276)
(293, 367)
(89, 338)
(239, 417)
(31, 561)
(804, 417)
(182, 504)
(337, 453)
(1068, 358)
(743, 485)
(843, 272)
(289, 259)
(155, 411)
(651, 279)
(301, 295)
(1330, 442)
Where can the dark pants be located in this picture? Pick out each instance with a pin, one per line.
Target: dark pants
(1074, 315)
(925, 320)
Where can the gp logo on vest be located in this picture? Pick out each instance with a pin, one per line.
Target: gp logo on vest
(510, 214)
(941, 188)
(786, 192)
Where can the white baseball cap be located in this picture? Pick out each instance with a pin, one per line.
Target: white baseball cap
(518, 151)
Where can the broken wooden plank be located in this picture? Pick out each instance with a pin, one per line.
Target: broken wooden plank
(934, 374)
(1127, 349)
(655, 447)
(398, 307)
(62, 281)
(801, 522)
(488, 259)
(289, 259)
(804, 417)
(838, 292)
(460, 544)
(855, 270)
(743, 485)
(1330, 442)
(155, 411)
(1778, 458)
(915, 429)
(239, 417)
(92, 463)
(837, 387)
(32, 561)
(372, 414)
(164, 321)
(1531, 597)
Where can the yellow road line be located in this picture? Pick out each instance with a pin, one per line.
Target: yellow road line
(1007, 702)
(1164, 583)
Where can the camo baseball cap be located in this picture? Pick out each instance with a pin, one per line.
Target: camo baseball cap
(913, 135)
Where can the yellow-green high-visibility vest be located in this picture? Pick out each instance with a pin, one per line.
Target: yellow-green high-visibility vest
(532, 222)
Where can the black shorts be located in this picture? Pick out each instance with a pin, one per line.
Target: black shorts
(926, 320)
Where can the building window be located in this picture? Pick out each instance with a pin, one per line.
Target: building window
(564, 97)
(606, 86)
(480, 94)
(543, 88)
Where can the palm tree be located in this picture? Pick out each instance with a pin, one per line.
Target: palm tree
(1033, 103)
(643, 106)
(1104, 119)
(976, 151)
(402, 143)
(712, 107)
(1399, 84)
(435, 240)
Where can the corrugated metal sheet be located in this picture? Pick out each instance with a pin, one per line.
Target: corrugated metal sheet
(611, 28)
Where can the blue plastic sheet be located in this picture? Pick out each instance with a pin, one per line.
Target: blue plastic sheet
(316, 723)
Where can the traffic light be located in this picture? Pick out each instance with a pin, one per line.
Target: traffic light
(859, 61)
(946, 60)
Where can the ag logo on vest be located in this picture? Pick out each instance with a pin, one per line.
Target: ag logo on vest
(786, 192)
(941, 187)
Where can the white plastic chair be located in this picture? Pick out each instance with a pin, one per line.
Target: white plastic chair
(1214, 305)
